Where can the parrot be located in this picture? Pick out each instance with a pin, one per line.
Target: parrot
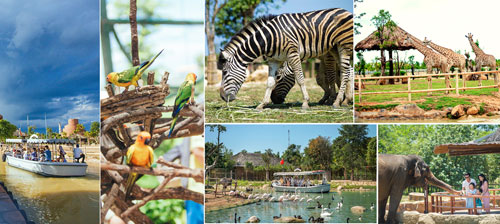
(185, 94)
(138, 154)
(130, 76)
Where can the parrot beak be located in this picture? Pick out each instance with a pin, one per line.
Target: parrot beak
(147, 141)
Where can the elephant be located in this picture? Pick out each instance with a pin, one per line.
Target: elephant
(395, 174)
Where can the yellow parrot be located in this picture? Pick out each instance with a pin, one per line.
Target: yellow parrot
(138, 154)
(130, 76)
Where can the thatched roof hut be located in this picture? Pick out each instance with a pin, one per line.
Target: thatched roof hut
(484, 145)
(255, 158)
(396, 37)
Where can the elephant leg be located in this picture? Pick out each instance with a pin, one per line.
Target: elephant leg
(394, 205)
(381, 210)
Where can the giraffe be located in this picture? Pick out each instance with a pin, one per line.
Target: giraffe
(482, 59)
(431, 59)
(457, 59)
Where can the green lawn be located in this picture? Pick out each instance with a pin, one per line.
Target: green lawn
(242, 110)
(438, 100)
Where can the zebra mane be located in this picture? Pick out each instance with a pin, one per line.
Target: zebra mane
(262, 19)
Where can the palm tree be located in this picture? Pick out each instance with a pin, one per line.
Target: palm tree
(266, 157)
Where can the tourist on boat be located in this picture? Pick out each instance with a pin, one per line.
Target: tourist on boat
(34, 155)
(62, 154)
(469, 202)
(48, 154)
(42, 157)
(26, 154)
(483, 189)
(78, 154)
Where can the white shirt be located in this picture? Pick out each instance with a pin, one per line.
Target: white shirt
(77, 152)
(465, 184)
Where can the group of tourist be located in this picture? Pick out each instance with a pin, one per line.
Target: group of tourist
(471, 188)
(295, 182)
(44, 154)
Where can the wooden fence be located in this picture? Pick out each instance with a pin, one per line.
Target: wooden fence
(429, 78)
(437, 204)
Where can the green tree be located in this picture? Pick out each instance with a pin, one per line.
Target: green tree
(292, 155)
(94, 129)
(385, 26)
(31, 130)
(266, 157)
(6, 130)
(213, 153)
(350, 148)
(371, 152)
(319, 152)
(248, 166)
(235, 14)
(357, 17)
(49, 133)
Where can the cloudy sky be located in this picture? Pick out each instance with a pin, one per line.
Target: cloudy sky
(49, 61)
(445, 22)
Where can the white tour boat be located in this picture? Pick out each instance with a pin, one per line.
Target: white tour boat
(55, 169)
(300, 182)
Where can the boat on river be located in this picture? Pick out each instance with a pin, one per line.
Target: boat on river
(48, 168)
(301, 181)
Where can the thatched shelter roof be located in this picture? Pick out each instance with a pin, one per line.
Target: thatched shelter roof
(484, 145)
(255, 158)
(372, 42)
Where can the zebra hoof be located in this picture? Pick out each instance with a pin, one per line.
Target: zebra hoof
(336, 105)
(305, 106)
(260, 107)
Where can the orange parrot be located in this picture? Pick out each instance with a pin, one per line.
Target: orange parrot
(138, 154)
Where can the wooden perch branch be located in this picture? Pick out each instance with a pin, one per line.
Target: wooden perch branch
(196, 174)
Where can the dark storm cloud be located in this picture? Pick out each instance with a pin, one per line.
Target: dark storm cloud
(49, 60)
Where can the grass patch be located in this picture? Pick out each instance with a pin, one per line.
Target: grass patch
(442, 102)
(242, 110)
(375, 107)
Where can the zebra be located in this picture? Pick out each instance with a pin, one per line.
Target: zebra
(328, 75)
(292, 37)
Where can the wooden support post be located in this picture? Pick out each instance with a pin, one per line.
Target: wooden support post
(474, 201)
(456, 84)
(432, 204)
(480, 81)
(463, 82)
(440, 204)
(429, 84)
(452, 203)
(360, 84)
(426, 191)
(409, 90)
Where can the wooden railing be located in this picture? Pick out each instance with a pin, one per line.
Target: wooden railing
(429, 83)
(438, 206)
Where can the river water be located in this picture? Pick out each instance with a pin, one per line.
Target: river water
(266, 210)
(54, 200)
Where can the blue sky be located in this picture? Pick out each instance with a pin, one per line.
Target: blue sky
(295, 6)
(258, 137)
(49, 61)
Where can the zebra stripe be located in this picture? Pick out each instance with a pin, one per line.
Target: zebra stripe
(293, 37)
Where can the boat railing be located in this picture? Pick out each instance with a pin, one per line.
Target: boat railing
(439, 205)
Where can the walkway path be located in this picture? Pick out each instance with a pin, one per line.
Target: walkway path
(9, 211)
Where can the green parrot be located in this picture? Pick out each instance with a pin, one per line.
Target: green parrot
(130, 76)
(185, 95)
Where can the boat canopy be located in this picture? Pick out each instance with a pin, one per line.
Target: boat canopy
(303, 173)
(16, 140)
(42, 141)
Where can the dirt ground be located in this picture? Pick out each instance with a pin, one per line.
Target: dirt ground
(213, 203)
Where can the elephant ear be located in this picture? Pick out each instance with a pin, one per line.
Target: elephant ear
(418, 172)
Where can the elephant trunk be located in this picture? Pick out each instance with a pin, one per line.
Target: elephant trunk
(439, 183)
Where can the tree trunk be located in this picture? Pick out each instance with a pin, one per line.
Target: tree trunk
(133, 31)
(391, 67)
(345, 174)
(211, 67)
(352, 174)
(382, 63)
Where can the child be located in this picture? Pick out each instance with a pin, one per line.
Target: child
(469, 202)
